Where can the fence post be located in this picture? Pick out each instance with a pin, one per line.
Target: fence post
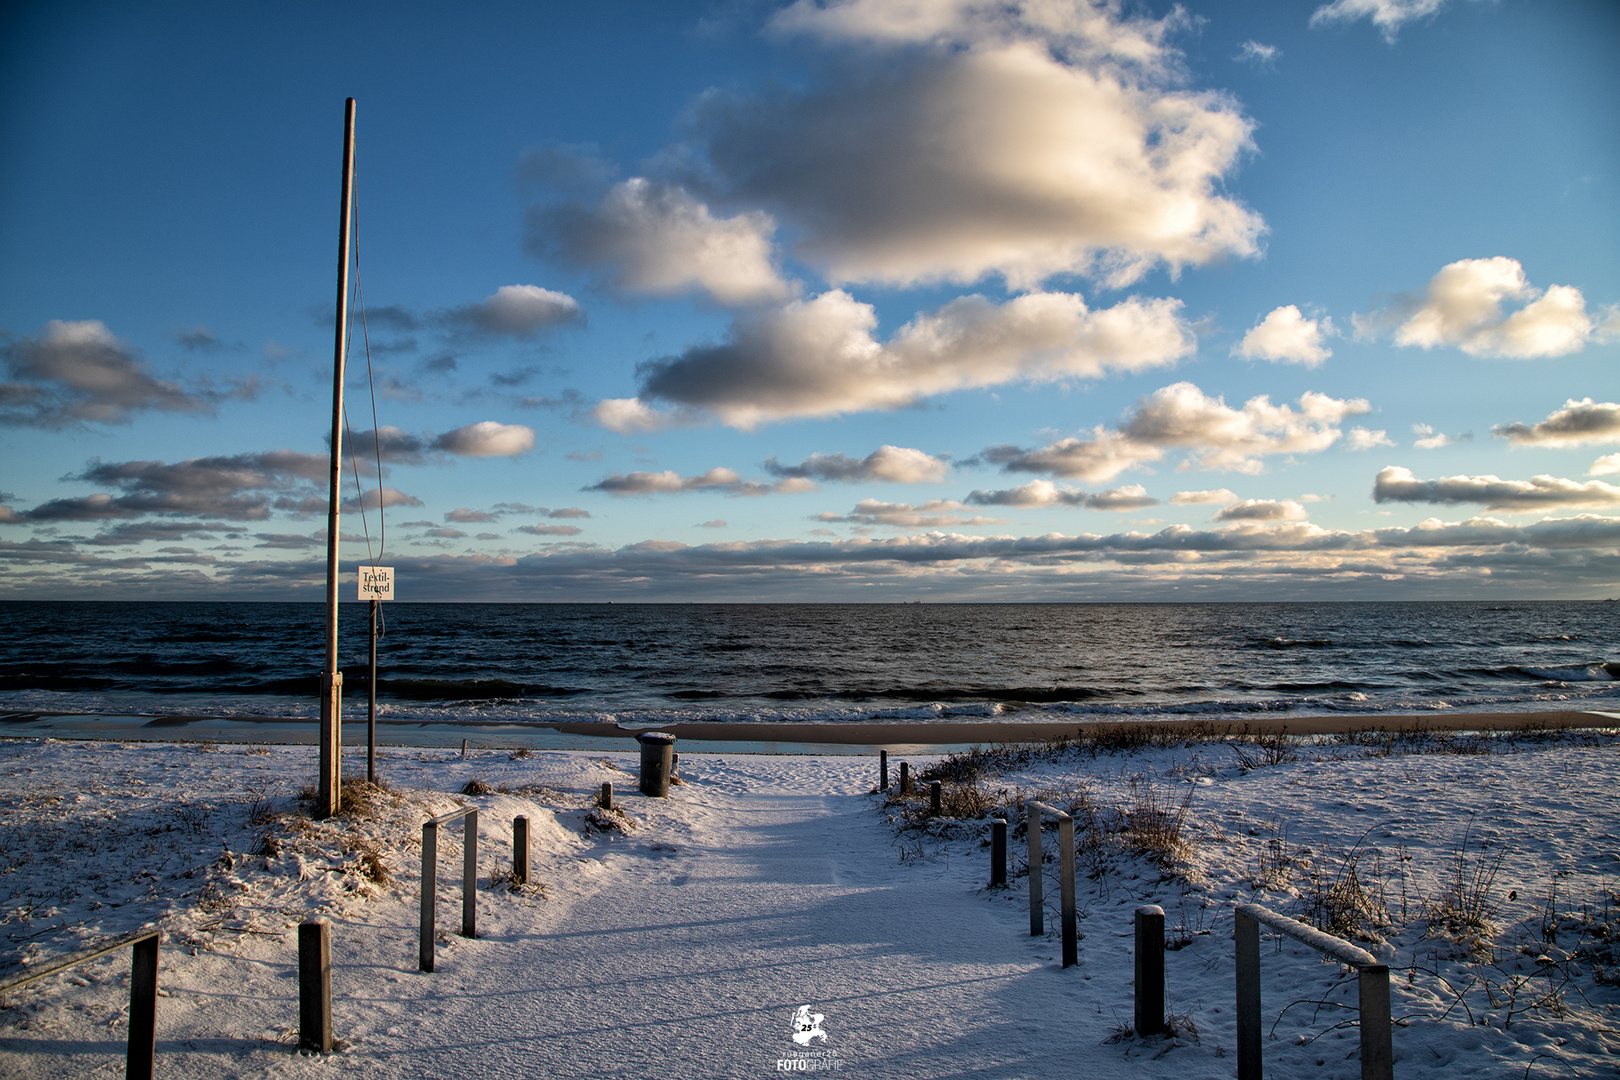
(905, 778)
(935, 802)
(1037, 909)
(998, 852)
(606, 801)
(1071, 917)
(1377, 1048)
(1149, 970)
(469, 875)
(430, 872)
(315, 985)
(883, 770)
(143, 974)
(1246, 933)
(520, 849)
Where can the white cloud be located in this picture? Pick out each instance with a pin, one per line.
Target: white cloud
(1576, 424)
(1129, 497)
(628, 415)
(1428, 438)
(893, 464)
(1261, 56)
(487, 439)
(1388, 15)
(549, 530)
(655, 237)
(1203, 498)
(1463, 307)
(1360, 438)
(1180, 416)
(1607, 465)
(1262, 510)
(818, 357)
(1398, 484)
(371, 498)
(723, 480)
(1286, 336)
(960, 140)
(1035, 494)
(518, 311)
(934, 514)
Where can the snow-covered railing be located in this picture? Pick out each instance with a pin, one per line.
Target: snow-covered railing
(1035, 814)
(1377, 1049)
(142, 992)
(430, 873)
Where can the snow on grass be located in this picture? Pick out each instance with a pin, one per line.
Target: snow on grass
(683, 937)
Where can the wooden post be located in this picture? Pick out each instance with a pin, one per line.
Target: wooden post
(934, 798)
(1246, 933)
(1149, 970)
(1377, 1047)
(430, 873)
(1037, 909)
(606, 800)
(520, 850)
(463, 747)
(469, 874)
(315, 986)
(905, 778)
(998, 852)
(371, 702)
(883, 770)
(143, 975)
(1071, 917)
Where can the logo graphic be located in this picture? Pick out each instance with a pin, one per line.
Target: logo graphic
(807, 1026)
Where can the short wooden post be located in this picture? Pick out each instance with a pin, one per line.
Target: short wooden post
(430, 873)
(883, 770)
(315, 986)
(143, 975)
(1149, 970)
(1037, 909)
(605, 801)
(1071, 916)
(469, 874)
(935, 800)
(463, 747)
(1246, 933)
(1377, 1047)
(998, 852)
(905, 778)
(520, 850)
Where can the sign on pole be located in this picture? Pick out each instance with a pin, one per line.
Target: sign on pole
(376, 582)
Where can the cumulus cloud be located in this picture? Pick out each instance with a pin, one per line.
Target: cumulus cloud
(1262, 510)
(630, 415)
(519, 311)
(892, 464)
(1203, 498)
(1607, 465)
(1428, 438)
(1286, 336)
(1128, 497)
(818, 357)
(654, 237)
(394, 446)
(1360, 438)
(238, 487)
(1398, 484)
(487, 439)
(961, 140)
(75, 372)
(1181, 416)
(1463, 306)
(373, 498)
(934, 514)
(550, 530)
(1042, 493)
(461, 515)
(1576, 424)
(670, 482)
(1388, 15)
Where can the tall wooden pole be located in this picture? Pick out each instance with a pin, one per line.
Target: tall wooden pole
(331, 678)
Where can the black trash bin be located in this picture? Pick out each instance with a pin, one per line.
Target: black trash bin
(657, 762)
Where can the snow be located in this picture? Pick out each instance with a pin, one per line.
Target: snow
(695, 936)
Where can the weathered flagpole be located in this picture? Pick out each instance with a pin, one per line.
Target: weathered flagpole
(331, 677)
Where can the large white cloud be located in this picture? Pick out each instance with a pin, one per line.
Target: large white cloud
(1286, 336)
(519, 311)
(1024, 139)
(1398, 484)
(1576, 424)
(1262, 510)
(819, 357)
(891, 464)
(487, 438)
(1463, 306)
(1181, 416)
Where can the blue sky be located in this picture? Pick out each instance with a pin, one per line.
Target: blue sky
(824, 301)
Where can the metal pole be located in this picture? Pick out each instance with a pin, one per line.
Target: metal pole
(371, 704)
(143, 975)
(331, 678)
(1246, 933)
(1071, 917)
(1037, 910)
(1149, 970)
(430, 885)
(469, 874)
(1377, 1046)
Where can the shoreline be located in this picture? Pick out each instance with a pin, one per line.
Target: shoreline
(714, 737)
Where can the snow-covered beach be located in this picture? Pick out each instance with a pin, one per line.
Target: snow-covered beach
(682, 937)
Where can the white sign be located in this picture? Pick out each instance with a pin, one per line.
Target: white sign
(376, 582)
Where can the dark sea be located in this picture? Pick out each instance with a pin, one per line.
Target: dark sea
(654, 663)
